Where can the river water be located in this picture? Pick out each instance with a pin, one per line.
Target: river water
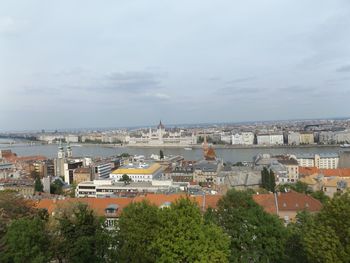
(227, 154)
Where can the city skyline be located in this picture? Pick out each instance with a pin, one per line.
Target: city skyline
(76, 65)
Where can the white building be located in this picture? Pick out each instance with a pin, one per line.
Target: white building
(160, 136)
(113, 188)
(138, 172)
(321, 161)
(103, 169)
(294, 138)
(244, 138)
(270, 139)
(227, 138)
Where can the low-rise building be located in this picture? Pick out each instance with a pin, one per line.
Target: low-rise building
(292, 168)
(206, 171)
(112, 188)
(111, 208)
(24, 187)
(139, 172)
(287, 205)
(82, 174)
(322, 160)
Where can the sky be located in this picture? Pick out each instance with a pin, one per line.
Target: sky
(117, 63)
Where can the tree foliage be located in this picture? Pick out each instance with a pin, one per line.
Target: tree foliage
(255, 235)
(138, 226)
(56, 187)
(26, 241)
(172, 234)
(78, 235)
(321, 196)
(126, 179)
(38, 186)
(268, 180)
(324, 237)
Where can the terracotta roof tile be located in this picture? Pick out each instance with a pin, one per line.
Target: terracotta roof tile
(291, 201)
(341, 172)
(100, 204)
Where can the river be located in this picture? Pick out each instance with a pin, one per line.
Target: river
(227, 154)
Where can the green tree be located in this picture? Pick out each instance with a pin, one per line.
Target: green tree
(323, 237)
(185, 237)
(79, 236)
(295, 248)
(161, 155)
(125, 155)
(38, 186)
(56, 187)
(268, 180)
(271, 181)
(255, 235)
(321, 196)
(12, 206)
(264, 178)
(322, 245)
(334, 215)
(126, 179)
(27, 241)
(138, 226)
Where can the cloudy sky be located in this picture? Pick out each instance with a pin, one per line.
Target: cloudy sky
(66, 64)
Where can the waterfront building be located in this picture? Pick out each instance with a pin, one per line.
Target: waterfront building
(307, 138)
(161, 136)
(327, 137)
(244, 138)
(226, 138)
(72, 138)
(270, 139)
(139, 172)
(293, 138)
(321, 160)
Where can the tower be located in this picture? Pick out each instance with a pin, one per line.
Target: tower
(60, 153)
(59, 162)
(160, 131)
(69, 152)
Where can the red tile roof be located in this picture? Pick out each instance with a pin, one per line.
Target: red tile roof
(267, 201)
(341, 172)
(100, 204)
(291, 201)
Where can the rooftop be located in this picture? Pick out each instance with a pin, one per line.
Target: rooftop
(142, 168)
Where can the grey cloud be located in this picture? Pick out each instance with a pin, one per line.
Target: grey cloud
(241, 80)
(298, 89)
(343, 69)
(39, 90)
(239, 90)
(131, 82)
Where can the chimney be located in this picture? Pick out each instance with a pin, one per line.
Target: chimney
(276, 204)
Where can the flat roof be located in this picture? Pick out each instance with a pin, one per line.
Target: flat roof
(137, 169)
